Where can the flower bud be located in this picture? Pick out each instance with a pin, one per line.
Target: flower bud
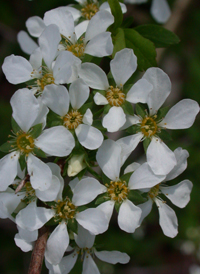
(75, 165)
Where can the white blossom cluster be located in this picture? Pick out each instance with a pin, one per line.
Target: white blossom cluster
(64, 111)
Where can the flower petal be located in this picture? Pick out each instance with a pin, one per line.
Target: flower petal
(89, 136)
(79, 93)
(84, 238)
(112, 257)
(57, 244)
(160, 11)
(89, 266)
(146, 209)
(139, 92)
(99, 99)
(26, 43)
(35, 26)
(129, 216)
(114, 119)
(88, 117)
(21, 243)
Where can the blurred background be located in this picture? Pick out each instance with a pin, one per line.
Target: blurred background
(151, 252)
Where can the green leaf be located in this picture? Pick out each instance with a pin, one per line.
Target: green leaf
(106, 109)
(102, 198)
(128, 108)
(146, 143)
(118, 41)
(136, 197)
(73, 225)
(105, 179)
(117, 206)
(126, 177)
(81, 173)
(6, 147)
(164, 135)
(133, 129)
(36, 130)
(22, 161)
(39, 153)
(141, 110)
(15, 126)
(161, 113)
(127, 22)
(160, 36)
(143, 48)
(117, 13)
(53, 119)
(84, 107)
(98, 124)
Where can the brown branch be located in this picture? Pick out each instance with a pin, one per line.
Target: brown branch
(37, 257)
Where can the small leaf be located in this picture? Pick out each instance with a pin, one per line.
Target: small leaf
(117, 13)
(160, 36)
(6, 147)
(15, 126)
(161, 113)
(118, 41)
(53, 119)
(127, 22)
(81, 173)
(143, 48)
(73, 225)
(102, 198)
(133, 129)
(128, 108)
(106, 109)
(117, 206)
(22, 161)
(164, 135)
(126, 177)
(136, 197)
(39, 153)
(146, 143)
(36, 130)
(141, 110)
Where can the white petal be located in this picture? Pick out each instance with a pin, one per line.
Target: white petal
(123, 66)
(182, 115)
(98, 24)
(48, 42)
(36, 59)
(114, 119)
(26, 43)
(56, 98)
(35, 26)
(73, 183)
(132, 167)
(29, 236)
(79, 93)
(57, 244)
(75, 13)
(51, 193)
(25, 108)
(33, 217)
(168, 220)
(107, 209)
(84, 238)
(88, 117)
(160, 158)
(129, 216)
(9, 201)
(62, 70)
(42, 114)
(17, 69)
(181, 158)
(139, 92)
(161, 88)
(67, 263)
(75, 68)
(89, 266)
(130, 120)
(93, 219)
(109, 159)
(160, 10)
(128, 144)
(56, 141)
(101, 45)
(146, 209)
(105, 6)
(99, 99)
(61, 18)
(143, 177)
(8, 169)
(94, 76)
(112, 257)
(40, 173)
(178, 194)
(89, 136)
(81, 28)
(86, 191)
(21, 243)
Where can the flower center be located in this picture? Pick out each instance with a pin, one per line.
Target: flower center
(149, 127)
(115, 96)
(47, 79)
(25, 143)
(64, 210)
(154, 191)
(117, 191)
(89, 11)
(77, 49)
(72, 119)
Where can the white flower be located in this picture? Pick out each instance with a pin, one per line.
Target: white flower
(25, 239)
(85, 242)
(75, 165)
(178, 194)
(63, 211)
(160, 158)
(122, 67)
(58, 99)
(159, 9)
(18, 70)
(29, 112)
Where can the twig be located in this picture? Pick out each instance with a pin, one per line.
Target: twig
(38, 251)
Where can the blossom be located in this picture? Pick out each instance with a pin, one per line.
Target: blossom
(58, 99)
(178, 194)
(75, 165)
(85, 242)
(122, 67)
(148, 124)
(30, 139)
(159, 9)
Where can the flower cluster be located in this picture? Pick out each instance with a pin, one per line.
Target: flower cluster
(63, 112)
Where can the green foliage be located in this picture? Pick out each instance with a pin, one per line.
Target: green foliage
(118, 41)
(143, 49)
(36, 130)
(53, 119)
(117, 206)
(133, 129)
(22, 161)
(6, 147)
(136, 197)
(117, 13)
(141, 110)
(102, 198)
(161, 113)
(15, 126)
(160, 36)
(164, 135)
(146, 143)
(39, 153)
(73, 225)
(128, 108)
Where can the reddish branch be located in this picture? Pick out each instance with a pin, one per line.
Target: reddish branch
(38, 252)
